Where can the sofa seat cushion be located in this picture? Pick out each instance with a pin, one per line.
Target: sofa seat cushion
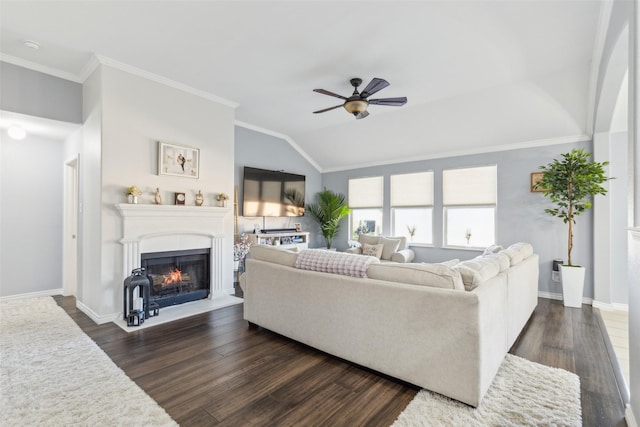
(433, 275)
(335, 262)
(476, 271)
(274, 254)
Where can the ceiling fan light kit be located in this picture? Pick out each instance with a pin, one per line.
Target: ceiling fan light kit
(358, 103)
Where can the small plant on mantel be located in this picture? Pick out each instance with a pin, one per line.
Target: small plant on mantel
(133, 191)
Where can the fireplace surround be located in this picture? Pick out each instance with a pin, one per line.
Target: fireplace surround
(156, 229)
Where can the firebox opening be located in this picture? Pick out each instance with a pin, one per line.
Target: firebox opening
(178, 276)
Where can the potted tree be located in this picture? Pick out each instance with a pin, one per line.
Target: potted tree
(329, 208)
(570, 184)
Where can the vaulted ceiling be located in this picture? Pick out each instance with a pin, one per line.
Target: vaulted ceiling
(477, 74)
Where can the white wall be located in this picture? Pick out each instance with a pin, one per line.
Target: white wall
(134, 114)
(31, 177)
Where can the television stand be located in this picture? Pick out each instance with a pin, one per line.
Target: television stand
(289, 239)
(278, 230)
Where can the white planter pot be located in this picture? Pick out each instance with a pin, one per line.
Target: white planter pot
(572, 285)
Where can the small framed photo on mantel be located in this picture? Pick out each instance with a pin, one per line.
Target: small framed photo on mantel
(178, 160)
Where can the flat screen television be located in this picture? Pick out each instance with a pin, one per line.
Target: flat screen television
(272, 193)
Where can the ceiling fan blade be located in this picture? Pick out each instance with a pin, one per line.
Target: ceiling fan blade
(394, 102)
(327, 109)
(326, 92)
(362, 115)
(374, 86)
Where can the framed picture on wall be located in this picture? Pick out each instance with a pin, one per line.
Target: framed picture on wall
(536, 177)
(178, 160)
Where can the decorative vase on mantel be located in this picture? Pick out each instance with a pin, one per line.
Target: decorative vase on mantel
(132, 199)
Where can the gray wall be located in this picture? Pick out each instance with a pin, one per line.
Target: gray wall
(520, 213)
(263, 151)
(36, 94)
(31, 177)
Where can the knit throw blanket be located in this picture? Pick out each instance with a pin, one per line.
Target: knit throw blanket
(335, 262)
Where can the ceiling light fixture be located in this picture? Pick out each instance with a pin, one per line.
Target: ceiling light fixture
(356, 106)
(31, 44)
(17, 133)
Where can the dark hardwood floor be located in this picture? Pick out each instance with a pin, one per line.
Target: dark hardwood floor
(213, 369)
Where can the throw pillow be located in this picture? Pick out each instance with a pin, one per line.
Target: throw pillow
(390, 247)
(372, 250)
(367, 238)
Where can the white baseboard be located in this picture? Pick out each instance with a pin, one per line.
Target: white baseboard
(630, 418)
(95, 316)
(47, 293)
(556, 296)
(613, 306)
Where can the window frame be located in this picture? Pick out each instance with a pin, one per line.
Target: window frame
(445, 208)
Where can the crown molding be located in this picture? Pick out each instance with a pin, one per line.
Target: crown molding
(40, 68)
(490, 149)
(97, 60)
(89, 68)
(159, 79)
(281, 136)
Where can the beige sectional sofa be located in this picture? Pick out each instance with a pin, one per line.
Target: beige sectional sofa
(415, 322)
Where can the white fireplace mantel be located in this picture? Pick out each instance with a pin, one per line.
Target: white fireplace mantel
(158, 228)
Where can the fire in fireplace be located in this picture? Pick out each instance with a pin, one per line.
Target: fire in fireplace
(178, 276)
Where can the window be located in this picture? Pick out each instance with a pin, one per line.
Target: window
(365, 201)
(469, 197)
(412, 206)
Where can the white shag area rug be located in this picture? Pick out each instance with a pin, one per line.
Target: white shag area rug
(53, 374)
(523, 393)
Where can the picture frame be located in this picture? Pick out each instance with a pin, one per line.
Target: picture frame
(536, 177)
(178, 160)
(179, 198)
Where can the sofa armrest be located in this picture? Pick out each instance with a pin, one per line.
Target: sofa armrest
(405, 255)
(357, 251)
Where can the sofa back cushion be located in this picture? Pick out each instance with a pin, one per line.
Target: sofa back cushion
(433, 275)
(503, 260)
(274, 254)
(518, 251)
(334, 262)
(477, 270)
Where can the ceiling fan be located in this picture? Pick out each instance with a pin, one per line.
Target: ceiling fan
(357, 103)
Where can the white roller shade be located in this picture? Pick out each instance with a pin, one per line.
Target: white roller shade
(470, 186)
(412, 189)
(366, 192)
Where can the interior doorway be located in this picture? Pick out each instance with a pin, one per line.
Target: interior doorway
(70, 229)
